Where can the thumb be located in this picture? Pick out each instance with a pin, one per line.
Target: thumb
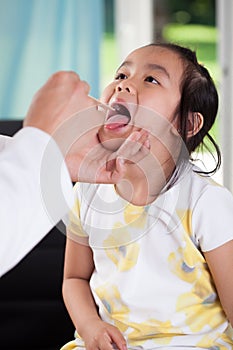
(118, 170)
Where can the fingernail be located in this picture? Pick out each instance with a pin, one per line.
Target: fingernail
(121, 160)
(147, 144)
(136, 136)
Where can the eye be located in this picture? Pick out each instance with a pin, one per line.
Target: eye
(120, 76)
(152, 80)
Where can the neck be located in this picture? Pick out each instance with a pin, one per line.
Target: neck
(143, 187)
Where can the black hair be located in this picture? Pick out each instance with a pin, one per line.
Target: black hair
(198, 95)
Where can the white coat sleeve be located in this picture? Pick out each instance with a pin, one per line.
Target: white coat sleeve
(35, 192)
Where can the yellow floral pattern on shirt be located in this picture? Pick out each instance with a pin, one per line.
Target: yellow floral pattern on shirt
(123, 256)
(160, 332)
(138, 333)
(189, 265)
(111, 299)
(135, 216)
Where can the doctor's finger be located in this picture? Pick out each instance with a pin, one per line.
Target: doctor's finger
(137, 145)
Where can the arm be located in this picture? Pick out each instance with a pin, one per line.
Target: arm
(212, 226)
(220, 262)
(79, 301)
(24, 219)
(35, 186)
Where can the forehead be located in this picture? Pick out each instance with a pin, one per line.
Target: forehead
(155, 55)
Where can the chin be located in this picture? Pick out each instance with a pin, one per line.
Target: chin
(110, 140)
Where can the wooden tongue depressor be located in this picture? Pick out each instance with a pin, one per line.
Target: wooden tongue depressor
(102, 104)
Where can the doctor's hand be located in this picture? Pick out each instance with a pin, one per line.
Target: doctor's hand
(89, 161)
(57, 100)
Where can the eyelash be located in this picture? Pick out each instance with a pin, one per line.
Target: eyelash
(150, 79)
(122, 76)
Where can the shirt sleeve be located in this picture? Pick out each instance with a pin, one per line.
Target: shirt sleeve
(73, 223)
(36, 192)
(212, 218)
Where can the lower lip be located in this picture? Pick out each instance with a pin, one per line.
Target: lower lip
(115, 126)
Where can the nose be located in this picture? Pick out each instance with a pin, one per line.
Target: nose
(126, 86)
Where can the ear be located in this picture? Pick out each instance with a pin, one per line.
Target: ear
(195, 123)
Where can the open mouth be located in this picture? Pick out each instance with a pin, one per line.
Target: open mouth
(118, 118)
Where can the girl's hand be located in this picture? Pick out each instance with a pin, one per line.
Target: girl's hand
(100, 335)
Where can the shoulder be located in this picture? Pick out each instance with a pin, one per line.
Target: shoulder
(201, 187)
(193, 190)
(212, 218)
(207, 191)
(210, 208)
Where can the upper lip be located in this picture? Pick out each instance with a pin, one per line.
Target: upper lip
(119, 109)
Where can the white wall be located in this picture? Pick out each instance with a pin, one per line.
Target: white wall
(225, 52)
(134, 24)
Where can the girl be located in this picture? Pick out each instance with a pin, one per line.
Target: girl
(149, 261)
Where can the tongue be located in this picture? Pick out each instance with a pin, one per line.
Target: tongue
(116, 121)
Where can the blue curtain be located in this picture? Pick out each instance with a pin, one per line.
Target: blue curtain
(39, 37)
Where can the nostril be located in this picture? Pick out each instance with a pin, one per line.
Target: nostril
(122, 87)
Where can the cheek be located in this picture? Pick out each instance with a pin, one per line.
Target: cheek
(166, 147)
(164, 104)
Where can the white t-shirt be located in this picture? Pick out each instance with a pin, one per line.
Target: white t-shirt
(151, 279)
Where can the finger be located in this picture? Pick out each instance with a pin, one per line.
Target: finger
(133, 152)
(118, 339)
(119, 171)
(113, 174)
(141, 153)
(138, 136)
(147, 144)
(62, 78)
(107, 342)
(133, 144)
(86, 86)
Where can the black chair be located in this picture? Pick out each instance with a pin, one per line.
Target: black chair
(32, 312)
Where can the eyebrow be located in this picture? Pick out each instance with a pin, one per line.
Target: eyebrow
(154, 66)
(150, 66)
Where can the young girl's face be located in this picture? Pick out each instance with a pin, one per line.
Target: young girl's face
(148, 80)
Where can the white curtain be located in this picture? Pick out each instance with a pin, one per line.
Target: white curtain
(39, 37)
